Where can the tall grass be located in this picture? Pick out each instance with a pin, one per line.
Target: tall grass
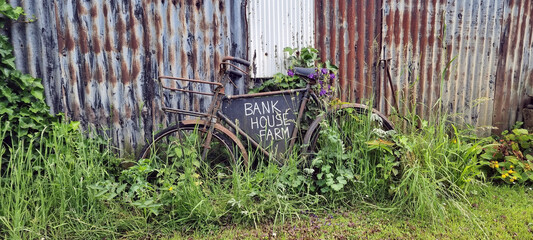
(43, 186)
(69, 186)
(437, 162)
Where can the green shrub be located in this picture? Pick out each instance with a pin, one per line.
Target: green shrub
(510, 159)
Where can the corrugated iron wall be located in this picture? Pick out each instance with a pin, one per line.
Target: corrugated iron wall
(98, 58)
(474, 57)
(348, 34)
(274, 25)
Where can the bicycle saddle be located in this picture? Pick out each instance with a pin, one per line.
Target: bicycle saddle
(304, 72)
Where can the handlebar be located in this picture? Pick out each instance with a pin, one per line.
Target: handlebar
(237, 60)
(236, 73)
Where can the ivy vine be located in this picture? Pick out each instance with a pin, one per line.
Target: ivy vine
(23, 110)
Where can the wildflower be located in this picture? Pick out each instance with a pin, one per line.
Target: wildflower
(511, 179)
(332, 76)
(323, 92)
(511, 171)
(494, 164)
(324, 71)
(504, 175)
(196, 175)
(311, 76)
(511, 167)
(290, 73)
(198, 183)
(170, 188)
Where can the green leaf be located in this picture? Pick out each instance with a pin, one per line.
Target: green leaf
(37, 93)
(10, 61)
(337, 186)
(520, 131)
(8, 93)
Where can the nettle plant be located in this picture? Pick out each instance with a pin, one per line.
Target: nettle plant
(511, 158)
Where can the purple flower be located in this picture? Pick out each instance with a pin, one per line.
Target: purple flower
(312, 76)
(290, 73)
(322, 92)
(321, 82)
(324, 71)
(332, 76)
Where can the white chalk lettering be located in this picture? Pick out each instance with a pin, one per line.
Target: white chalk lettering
(285, 122)
(285, 132)
(266, 108)
(274, 108)
(271, 123)
(248, 109)
(269, 134)
(277, 133)
(266, 119)
(256, 107)
(255, 124)
(261, 124)
(280, 121)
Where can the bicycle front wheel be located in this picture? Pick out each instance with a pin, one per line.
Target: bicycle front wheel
(178, 149)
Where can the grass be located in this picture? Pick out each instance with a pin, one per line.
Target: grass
(66, 185)
(504, 212)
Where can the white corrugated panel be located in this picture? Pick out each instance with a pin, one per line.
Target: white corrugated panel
(274, 25)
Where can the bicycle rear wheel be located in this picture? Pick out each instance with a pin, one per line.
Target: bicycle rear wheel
(352, 121)
(178, 149)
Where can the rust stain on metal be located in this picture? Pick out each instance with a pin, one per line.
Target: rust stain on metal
(351, 52)
(332, 30)
(83, 40)
(342, 30)
(96, 44)
(108, 47)
(69, 39)
(59, 30)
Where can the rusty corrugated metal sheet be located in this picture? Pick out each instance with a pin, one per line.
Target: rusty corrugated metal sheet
(413, 33)
(473, 57)
(274, 25)
(348, 34)
(473, 38)
(515, 70)
(98, 58)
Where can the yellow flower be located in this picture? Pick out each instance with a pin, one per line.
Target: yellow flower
(494, 164)
(511, 171)
(196, 175)
(170, 188)
(504, 175)
(511, 179)
(198, 183)
(511, 166)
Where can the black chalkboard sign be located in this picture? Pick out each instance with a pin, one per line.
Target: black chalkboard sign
(269, 120)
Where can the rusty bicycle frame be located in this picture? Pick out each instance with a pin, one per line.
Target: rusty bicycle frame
(214, 115)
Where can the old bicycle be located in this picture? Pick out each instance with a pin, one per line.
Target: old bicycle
(268, 121)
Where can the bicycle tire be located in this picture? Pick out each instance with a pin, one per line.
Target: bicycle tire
(180, 146)
(311, 137)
